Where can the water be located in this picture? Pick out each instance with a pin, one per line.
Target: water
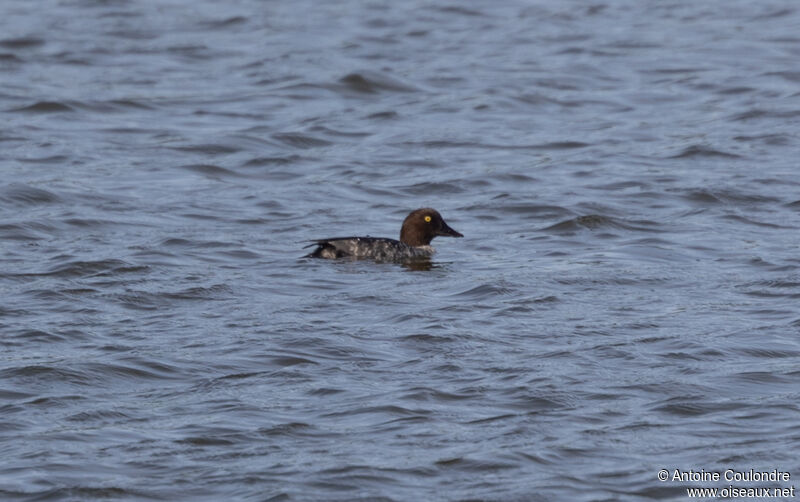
(625, 298)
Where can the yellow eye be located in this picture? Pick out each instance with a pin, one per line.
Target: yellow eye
(428, 219)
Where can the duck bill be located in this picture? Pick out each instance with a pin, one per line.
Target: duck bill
(446, 231)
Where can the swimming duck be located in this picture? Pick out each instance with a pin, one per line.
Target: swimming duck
(419, 228)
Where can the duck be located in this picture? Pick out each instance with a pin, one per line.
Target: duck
(418, 230)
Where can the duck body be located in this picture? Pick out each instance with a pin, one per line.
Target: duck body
(377, 248)
(419, 228)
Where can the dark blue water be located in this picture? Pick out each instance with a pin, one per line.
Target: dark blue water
(625, 298)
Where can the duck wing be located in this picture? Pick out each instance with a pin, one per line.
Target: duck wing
(356, 247)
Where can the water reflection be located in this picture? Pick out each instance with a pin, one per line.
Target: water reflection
(423, 264)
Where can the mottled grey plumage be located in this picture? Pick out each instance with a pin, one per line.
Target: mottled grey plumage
(378, 248)
(419, 228)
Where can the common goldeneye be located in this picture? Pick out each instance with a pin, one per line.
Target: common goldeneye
(419, 228)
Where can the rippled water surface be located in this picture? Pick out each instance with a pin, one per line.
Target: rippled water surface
(625, 299)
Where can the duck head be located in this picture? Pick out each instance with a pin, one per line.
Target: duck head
(421, 226)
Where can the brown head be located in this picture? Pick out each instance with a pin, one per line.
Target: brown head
(421, 226)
